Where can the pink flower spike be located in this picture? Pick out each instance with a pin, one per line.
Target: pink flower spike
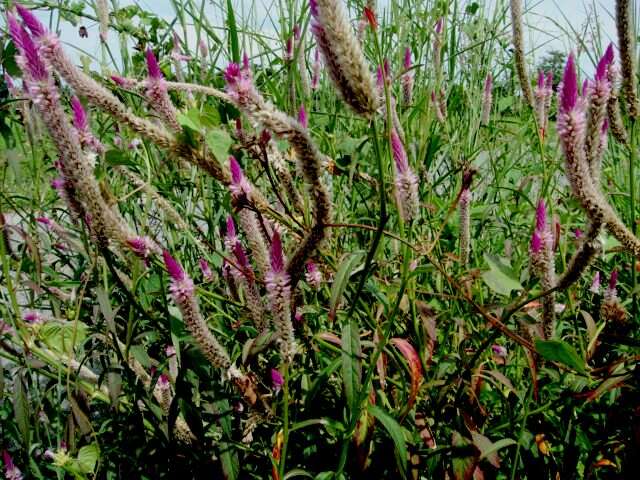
(407, 58)
(170, 351)
(277, 380)
(236, 170)
(399, 153)
(603, 64)
(241, 257)
(541, 217)
(569, 88)
(595, 284)
(79, 115)
(439, 25)
(277, 259)
(245, 62)
(578, 233)
(613, 280)
(174, 269)
(142, 246)
(536, 243)
(313, 6)
(313, 275)
(44, 221)
(231, 227)
(499, 351)
(163, 381)
(33, 24)
(32, 317)
(28, 49)
(152, 65)
(540, 79)
(296, 32)
(10, 470)
(548, 81)
(207, 274)
(302, 117)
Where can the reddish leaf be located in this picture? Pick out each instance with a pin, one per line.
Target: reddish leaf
(415, 368)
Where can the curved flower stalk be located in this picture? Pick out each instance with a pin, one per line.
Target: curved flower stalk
(627, 47)
(613, 106)
(542, 264)
(343, 56)
(157, 94)
(241, 189)
(407, 79)
(518, 46)
(183, 293)
(244, 94)
(465, 225)
(278, 285)
(572, 129)
(100, 97)
(75, 164)
(406, 182)
(487, 100)
(81, 124)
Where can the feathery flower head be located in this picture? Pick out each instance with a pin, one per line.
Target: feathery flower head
(439, 25)
(297, 32)
(230, 237)
(548, 81)
(181, 288)
(11, 472)
(241, 256)
(31, 62)
(79, 115)
(58, 183)
(541, 217)
(613, 280)
(174, 269)
(33, 24)
(536, 243)
(277, 258)
(32, 317)
(313, 275)
(163, 382)
(207, 274)
(9, 81)
(153, 67)
(488, 84)
(302, 117)
(245, 62)
(407, 58)
(569, 89)
(239, 82)
(398, 151)
(604, 63)
(142, 246)
(288, 49)
(540, 79)
(277, 380)
(239, 184)
(123, 82)
(44, 221)
(313, 6)
(487, 99)
(578, 233)
(204, 49)
(499, 351)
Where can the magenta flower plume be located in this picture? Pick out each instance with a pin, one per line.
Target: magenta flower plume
(541, 217)
(613, 280)
(569, 88)
(313, 275)
(245, 61)
(79, 115)
(31, 61)
(277, 380)
(174, 269)
(207, 274)
(33, 24)
(10, 470)
(241, 257)
(548, 81)
(595, 284)
(277, 258)
(142, 246)
(487, 99)
(153, 67)
(231, 228)
(239, 184)
(604, 63)
(407, 58)
(439, 25)
(536, 243)
(399, 153)
(540, 79)
(302, 117)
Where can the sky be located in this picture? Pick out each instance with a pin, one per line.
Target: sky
(546, 22)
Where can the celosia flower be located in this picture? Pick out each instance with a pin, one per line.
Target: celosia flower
(240, 187)
(207, 274)
(465, 225)
(239, 83)
(32, 317)
(627, 47)
(157, 93)
(277, 380)
(124, 82)
(143, 246)
(183, 293)
(407, 77)
(343, 56)
(29, 58)
(313, 275)
(315, 70)
(11, 472)
(279, 292)
(302, 117)
(30, 20)
(499, 351)
(486, 100)
(406, 182)
(518, 46)
(81, 123)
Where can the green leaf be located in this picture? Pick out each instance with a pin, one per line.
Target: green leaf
(234, 47)
(341, 279)
(500, 277)
(88, 457)
(219, 142)
(190, 120)
(351, 363)
(395, 432)
(21, 408)
(118, 157)
(562, 352)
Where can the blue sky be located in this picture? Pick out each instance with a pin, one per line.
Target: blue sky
(547, 21)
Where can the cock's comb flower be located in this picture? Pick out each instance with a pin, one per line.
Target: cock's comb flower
(240, 186)
(277, 380)
(143, 246)
(81, 124)
(343, 56)
(207, 274)
(313, 276)
(11, 472)
(33, 24)
(278, 282)
(407, 77)
(595, 284)
(29, 60)
(406, 182)
(486, 100)
(239, 82)
(302, 117)
(157, 93)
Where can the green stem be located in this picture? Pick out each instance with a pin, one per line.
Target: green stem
(285, 420)
(632, 214)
